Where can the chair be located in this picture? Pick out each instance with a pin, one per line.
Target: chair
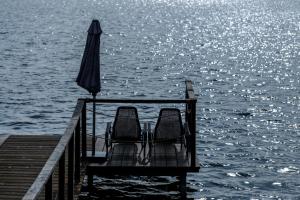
(168, 132)
(126, 129)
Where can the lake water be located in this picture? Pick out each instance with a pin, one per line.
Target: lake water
(242, 55)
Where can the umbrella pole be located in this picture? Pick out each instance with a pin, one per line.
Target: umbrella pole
(94, 125)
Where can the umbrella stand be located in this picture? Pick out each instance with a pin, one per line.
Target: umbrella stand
(94, 125)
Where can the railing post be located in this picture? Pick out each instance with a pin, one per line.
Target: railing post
(77, 152)
(191, 118)
(83, 133)
(186, 105)
(48, 189)
(182, 185)
(193, 132)
(188, 90)
(71, 168)
(61, 179)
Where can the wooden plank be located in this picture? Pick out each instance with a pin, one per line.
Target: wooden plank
(21, 158)
(17, 174)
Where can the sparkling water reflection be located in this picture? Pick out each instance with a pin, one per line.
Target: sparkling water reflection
(243, 57)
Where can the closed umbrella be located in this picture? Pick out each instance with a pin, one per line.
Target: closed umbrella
(89, 74)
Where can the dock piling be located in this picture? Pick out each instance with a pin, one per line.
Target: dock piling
(182, 185)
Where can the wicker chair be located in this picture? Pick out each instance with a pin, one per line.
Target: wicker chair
(168, 132)
(126, 129)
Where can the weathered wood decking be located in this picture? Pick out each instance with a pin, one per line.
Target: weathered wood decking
(21, 160)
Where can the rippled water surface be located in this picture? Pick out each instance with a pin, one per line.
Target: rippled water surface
(243, 57)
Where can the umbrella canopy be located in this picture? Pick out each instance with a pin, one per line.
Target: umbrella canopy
(89, 74)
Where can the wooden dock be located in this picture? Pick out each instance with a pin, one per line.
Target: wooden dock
(21, 160)
(53, 167)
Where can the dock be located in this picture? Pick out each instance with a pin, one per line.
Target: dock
(21, 160)
(55, 166)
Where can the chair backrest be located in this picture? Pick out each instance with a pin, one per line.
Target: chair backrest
(169, 125)
(126, 125)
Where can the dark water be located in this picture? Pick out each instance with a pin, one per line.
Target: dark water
(243, 57)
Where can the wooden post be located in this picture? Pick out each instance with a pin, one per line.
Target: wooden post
(189, 94)
(48, 189)
(187, 116)
(182, 185)
(71, 169)
(83, 134)
(90, 181)
(191, 119)
(193, 133)
(77, 152)
(61, 178)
